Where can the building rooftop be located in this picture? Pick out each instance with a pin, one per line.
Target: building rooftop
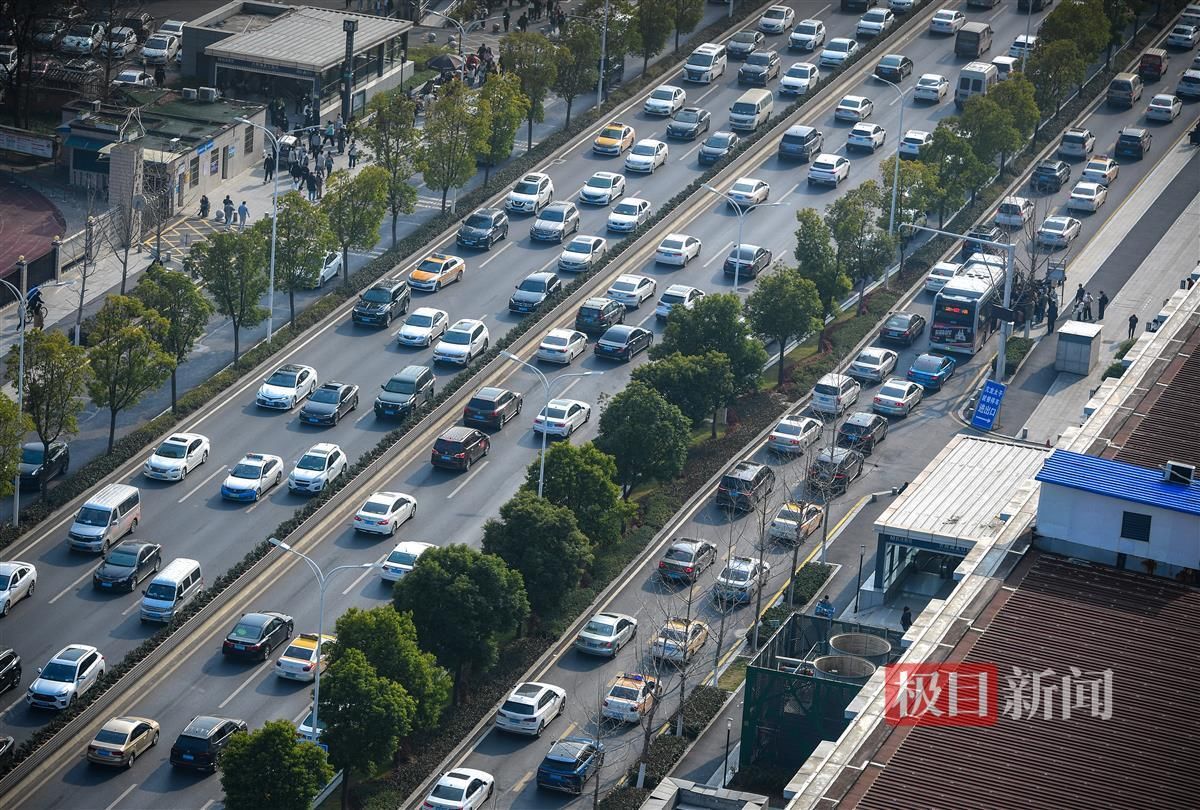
(1118, 479)
(167, 121)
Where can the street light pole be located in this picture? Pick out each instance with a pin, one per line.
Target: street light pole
(862, 550)
(603, 57)
(725, 762)
(741, 215)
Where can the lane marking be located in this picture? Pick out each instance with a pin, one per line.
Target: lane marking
(245, 683)
(720, 254)
(124, 793)
(694, 149)
(14, 704)
(196, 488)
(494, 256)
(470, 476)
(70, 587)
(211, 802)
(522, 782)
(568, 387)
(715, 87)
(363, 575)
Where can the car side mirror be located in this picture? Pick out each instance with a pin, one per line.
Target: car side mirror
(144, 592)
(39, 670)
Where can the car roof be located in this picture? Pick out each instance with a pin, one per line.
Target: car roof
(862, 418)
(458, 433)
(322, 448)
(10, 566)
(73, 652)
(568, 749)
(255, 619)
(745, 468)
(465, 324)
(540, 276)
(203, 725)
(619, 330)
(490, 392)
(410, 372)
(122, 725)
(679, 289)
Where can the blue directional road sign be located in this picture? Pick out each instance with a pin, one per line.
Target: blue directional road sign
(988, 407)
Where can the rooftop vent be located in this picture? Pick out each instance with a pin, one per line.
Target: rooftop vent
(1176, 473)
(189, 93)
(96, 106)
(209, 94)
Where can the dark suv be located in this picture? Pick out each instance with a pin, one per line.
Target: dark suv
(1050, 175)
(492, 407)
(1133, 142)
(404, 393)
(862, 430)
(382, 302)
(834, 469)
(200, 744)
(988, 233)
(484, 228)
(595, 315)
(459, 447)
(745, 485)
(532, 291)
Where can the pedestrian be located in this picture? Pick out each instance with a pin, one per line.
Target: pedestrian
(297, 175)
(522, 22)
(537, 9)
(906, 619)
(320, 186)
(330, 131)
(506, 17)
(160, 76)
(1077, 311)
(204, 206)
(1088, 300)
(243, 215)
(1080, 292)
(310, 181)
(268, 168)
(328, 164)
(353, 153)
(1133, 322)
(1102, 302)
(341, 140)
(304, 161)
(227, 207)
(1051, 315)
(824, 608)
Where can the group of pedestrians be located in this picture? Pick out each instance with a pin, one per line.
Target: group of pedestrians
(1081, 310)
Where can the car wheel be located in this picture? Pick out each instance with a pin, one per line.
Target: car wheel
(278, 478)
(154, 739)
(437, 286)
(392, 530)
(7, 606)
(132, 757)
(541, 727)
(32, 585)
(354, 404)
(133, 526)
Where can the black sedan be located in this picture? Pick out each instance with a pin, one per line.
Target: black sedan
(747, 261)
(894, 67)
(716, 146)
(903, 327)
(689, 123)
(256, 634)
(37, 465)
(10, 670)
(623, 342)
(126, 565)
(862, 431)
(329, 403)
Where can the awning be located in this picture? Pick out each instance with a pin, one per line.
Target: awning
(88, 144)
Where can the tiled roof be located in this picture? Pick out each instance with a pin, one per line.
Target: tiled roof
(1116, 479)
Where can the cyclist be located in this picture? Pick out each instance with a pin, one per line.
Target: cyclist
(35, 307)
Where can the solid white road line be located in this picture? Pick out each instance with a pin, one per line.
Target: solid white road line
(492, 258)
(124, 793)
(468, 479)
(213, 475)
(70, 587)
(719, 254)
(361, 576)
(245, 683)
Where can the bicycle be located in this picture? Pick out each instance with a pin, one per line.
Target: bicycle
(35, 313)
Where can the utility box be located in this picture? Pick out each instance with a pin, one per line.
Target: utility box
(1078, 347)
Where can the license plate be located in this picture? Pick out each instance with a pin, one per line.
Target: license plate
(105, 584)
(187, 757)
(445, 458)
(239, 647)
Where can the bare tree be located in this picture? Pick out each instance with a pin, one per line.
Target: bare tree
(87, 266)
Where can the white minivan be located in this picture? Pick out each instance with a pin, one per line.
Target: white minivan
(105, 518)
(752, 109)
(834, 393)
(171, 590)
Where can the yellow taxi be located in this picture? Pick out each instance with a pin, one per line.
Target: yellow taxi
(436, 270)
(631, 696)
(299, 660)
(614, 139)
(679, 640)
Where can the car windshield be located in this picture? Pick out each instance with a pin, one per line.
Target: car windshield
(853, 429)
(742, 253)
(58, 671)
(157, 43)
(790, 512)
(398, 386)
(128, 76)
(721, 140)
(599, 628)
(897, 322)
(671, 298)
(624, 286)
(928, 81)
(448, 793)
(687, 117)
(80, 30)
(479, 221)
(526, 187)
(311, 461)
(303, 653)
(840, 45)
(601, 182)
(851, 103)
(744, 37)
(645, 149)
(580, 246)
(868, 358)
(554, 413)
(457, 337)
(186, 742)
(1054, 225)
(1076, 137)
(625, 208)
(162, 591)
(247, 471)
(679, 554)
(417, 319)
(5, 579)
(107, 735)
(759, 58)
(775, 14)
(875, 15)
(701, 59)
(402, 558)
(375, 508)
(663, 94)
(91, 516)
(789, 428)
(807, 28)
(554, 340)
(893, 391)
(283, 379)
(328, 396)
(737, 574)
(671, 244)
(432, 265)
(554, 214)
(674, 634)
(742, 188)
(927, 363)
(171, 450)
(515, 707)
(799, 71)
(126, 557)
(246, 632)
(911, 139)
(533, 285)
(612, 132)
(623, 693)
(31, 455)
(890, 61)
(377, 295)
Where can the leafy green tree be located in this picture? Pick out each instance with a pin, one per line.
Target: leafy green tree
(646, 435)
(456, 132)
(716, 324)
(125, 356)
(13, 427)
(233, 269)
(271, 767)
(509, 106)
(959, 171)
(583, 479)
(461, 602)
(918, 191)
(579, 69)
(863, 248)
(622, 38)
(56, 378)
(651, 24)
(302, 238)
(1053, 69)
(175, 297)
(784, 305)
(364, 717)
(389, 641)
(542, 541)
(356, 205)
(686, 15)
(990, 129)
(816, 260)
(1083, 22)
(698, 384)
(392, 138)
(1017, 97)
(535, 61)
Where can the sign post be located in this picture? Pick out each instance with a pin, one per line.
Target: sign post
(988, 408)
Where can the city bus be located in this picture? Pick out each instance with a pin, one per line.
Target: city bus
(962, 310)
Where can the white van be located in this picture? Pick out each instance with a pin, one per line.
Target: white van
(705, 64)
(171, 590)
(105, 518)
(974, 79)
(752, 109)
(834, 393)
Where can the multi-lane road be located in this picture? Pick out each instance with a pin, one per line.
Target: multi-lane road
(190, 519)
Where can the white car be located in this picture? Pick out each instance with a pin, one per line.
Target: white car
(897, 397)
(740, 579)
(82, 38)
(562, 346)
(665, 99)
(838, 51)
(177, 456)
(562, 417)
(631, 290)
(531, 194)
(581, 253)
(677, 295)
(1087, 196)
(133, 78)
(628, 214)
(808, 35)
(384, 512)
(1023, 46)
(1058, 231)
(160, 49)
(913, 142)
(172, 28)
(940, 275)
(323, 463)
(854, 108)
(1102, 170)
(330, 269)
(402, 559)
(252, 477)
(646, 156)
(460, 789)
(947, 21)
(1014, 212)
(1164, 107)
(1077, 142)
(828, 169)
(872, 364)
(530, 707)
(901, 6)
(602, 188)
(874, 22)
(17, 581)
(776, 20)
(422, 325)
(677, 249)
(67, 676)
(795, 434)
(746, 192)
(462, 341)
(1184, 36)
(865, 136)
(554, 222)
(931, 87)
(284, 389)
(299, 662)
(800, 78)
(606, 634)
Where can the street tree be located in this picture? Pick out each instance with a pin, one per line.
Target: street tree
(1017, 97)
(271, 767)
(1120, 14)
(715, 323)
(393, 141)
(456, 132)
(23, 17)
(651, 24)
(583, 479)
(461, 602)
(232, 267)
(686, 15)
(175, 297)
(918, 191)
(364, 717)
(698, 384)
(535, 61)
(302, 240)
(125, 356)
(356, 205)
(56, 378)
(646, 435)
(509, 106)
(990, 129)
(1083, 22)
(122, 227)
(389, 641)
(1053, 69)
(13, 427)
(542, 541)
(863, 248)
(959, 171)
(579, 69)
(817, 261)
(784, 305)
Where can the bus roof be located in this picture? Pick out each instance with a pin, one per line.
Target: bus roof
(967, 287)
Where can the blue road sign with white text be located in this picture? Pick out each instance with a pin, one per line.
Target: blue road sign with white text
(988, 407)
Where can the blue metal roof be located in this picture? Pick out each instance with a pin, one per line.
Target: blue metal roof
(1116, 479)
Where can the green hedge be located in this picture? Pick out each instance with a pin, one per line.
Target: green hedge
(665, 751)
(1015, 351)
(624, 798)
(701, 706)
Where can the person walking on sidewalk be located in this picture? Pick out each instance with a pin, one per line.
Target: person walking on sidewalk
(243, 215)
(227, 206)
(328, 164)
(906, 619)
(268, 168)
(341, 140)
(1102, 302)
(1088, 300)
(1080, 292)
(330, 131)
(522, 22)
(320, 187)
(507, 18)
(310, 180)
(1133, 322)
(1051, 315)
(353, 153)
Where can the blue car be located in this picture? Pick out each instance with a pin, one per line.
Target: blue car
(570, 762)
(931, 371)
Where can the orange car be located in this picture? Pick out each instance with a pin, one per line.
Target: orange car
(614, 139)
(630, 697)
(437, 270)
